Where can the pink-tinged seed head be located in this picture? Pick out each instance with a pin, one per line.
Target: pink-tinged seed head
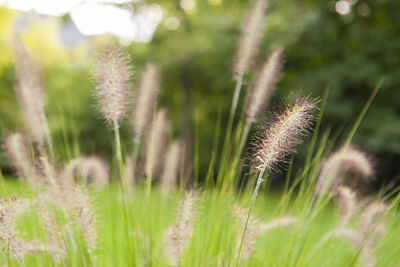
(85, 217)
(264, 84)
(178, 235)
(250, 39)
(19, 155)
(112, 75)
(279, 139)
(347, 205)
(171, 168)
(145, 99)
(91, 169)
(155, 143)
(255, 228)
(346, 159)
(30, 93)
(279, 222)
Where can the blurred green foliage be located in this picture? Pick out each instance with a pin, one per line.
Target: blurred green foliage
(347, 53)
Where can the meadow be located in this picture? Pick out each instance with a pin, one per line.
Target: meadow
(149, 207)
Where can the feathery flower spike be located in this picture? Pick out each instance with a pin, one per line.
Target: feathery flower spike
(252, 232)
(171, 168)
(113, 87)
(251, 35)
(337, 164)
(255, 228)
(20, 157)
(264, 84)
(10, 242)
(29, 89)
(177, 236)
(276, 142)
(92, 169)
(282, 222)
(347, 204)
(145, 99)
(279, 139)
(85, 217)
(155, 142)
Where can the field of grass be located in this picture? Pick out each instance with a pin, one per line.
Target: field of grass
(137, 239)
(149, 207)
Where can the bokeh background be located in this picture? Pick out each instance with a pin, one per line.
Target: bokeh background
(345, 45)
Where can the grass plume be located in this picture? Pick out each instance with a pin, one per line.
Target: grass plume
(91, 169)
(178, 235)
(250, 39)
(346, 159)
(20, 157)
(30, 92)
(171, 168)
(155, 144)
(277, 141)
(112, 75)
(264, 84)
(145, 99)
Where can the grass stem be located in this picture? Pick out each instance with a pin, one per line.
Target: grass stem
(253, 201)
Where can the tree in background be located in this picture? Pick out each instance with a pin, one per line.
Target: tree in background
(344, 45)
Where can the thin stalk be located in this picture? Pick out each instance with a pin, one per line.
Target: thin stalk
(118, 154)
(363, 111)
(196, 148)
(316, 130)
(245, 135)
(232, 112)
(135, 156)
(214, 152)
(49, 141)
(325, 239)
(253, 200)
(236, 95)
(242, 143)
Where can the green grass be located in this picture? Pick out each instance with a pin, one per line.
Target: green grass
(131, 223)
(215, 232)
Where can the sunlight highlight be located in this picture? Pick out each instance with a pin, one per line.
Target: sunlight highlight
(95, 17)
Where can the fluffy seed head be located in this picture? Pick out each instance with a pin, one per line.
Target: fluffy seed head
(29, 77)
(252, 232)
(347, 204)
(48, 173)
(280, 138)
(338, 164)
(367, 256)
(155, 142)
(54, 238)
(92, 169)
(85, 217)
(112, 75)
(264, 84)
(372, 216)
(350, 234)
(255, 228)
(19, 155)
(251, 35)
(282, 222)
(369, 232)
(179, 234)
(10, 242)
(29, 89)
(171, 167)
(145, 99)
